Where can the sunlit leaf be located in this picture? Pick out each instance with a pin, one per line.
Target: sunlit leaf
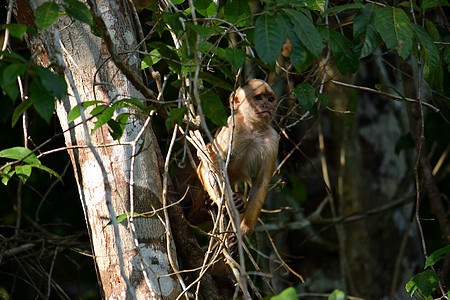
(424, 284)
(46, 14)
(288, 294)
(206, 7)
(436, 256)
(103, 114)
(135, 103)
(337, 295)
(24, 172)
(19, 30)
(79, 11)
(18, 153)
(75, 112)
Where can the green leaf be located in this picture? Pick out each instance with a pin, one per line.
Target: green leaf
(23, 172)
(306, 95)
(205, 31)
(428, 50)
(215, 81)
(206, 7)
(19, 110)
(425, 4)
(43, 101)
(124, 216)
(6, 174)
(424, 283)
(213, 108)
(135, 103)
(306, 32)
(340, 8)
(176, 115)
(11, 73)
(395, 29)
(151, 59)
(46, 14)
(318, 5)
(337, 295)
(236, 10)
(47, 169)
(436, 256)
(269, 37)
(235, 56)
(103, 114)
(169, 54)
(52, 82)
(19, 30)
(75, 112)
(18, 153)
(346, 59)
(117, 126)
(173, 20)
(79, 11)
(364, 29)
(288, 294)
(300, 57)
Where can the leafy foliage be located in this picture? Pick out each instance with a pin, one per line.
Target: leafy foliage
(214, 49)
(24, 162)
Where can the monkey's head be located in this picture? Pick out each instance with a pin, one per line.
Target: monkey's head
(256, 101)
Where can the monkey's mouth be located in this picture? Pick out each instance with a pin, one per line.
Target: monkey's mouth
(265, 113)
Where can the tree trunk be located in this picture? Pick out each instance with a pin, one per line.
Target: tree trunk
(109, 178)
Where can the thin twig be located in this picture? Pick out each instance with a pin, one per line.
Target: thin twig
(394, 97)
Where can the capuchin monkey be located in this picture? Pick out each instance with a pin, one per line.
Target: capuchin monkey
(254, 150)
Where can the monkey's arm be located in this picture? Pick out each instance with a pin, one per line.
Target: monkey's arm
(258, 193)
(206, 172)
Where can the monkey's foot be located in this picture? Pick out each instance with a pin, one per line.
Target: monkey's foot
(239, 203)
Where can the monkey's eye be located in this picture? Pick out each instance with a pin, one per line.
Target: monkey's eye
(270, 99)
(258, 97)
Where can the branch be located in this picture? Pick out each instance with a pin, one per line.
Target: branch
(120, 64)
(394, 97)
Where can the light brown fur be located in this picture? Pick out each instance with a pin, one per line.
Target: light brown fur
(254, 149)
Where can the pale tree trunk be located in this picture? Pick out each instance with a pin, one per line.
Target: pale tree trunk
(108, 177)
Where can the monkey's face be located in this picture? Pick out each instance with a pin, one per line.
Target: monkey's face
(257, 102)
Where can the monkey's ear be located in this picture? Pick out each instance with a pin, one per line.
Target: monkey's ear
(237, 97)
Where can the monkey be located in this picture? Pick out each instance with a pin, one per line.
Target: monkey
(254, 150)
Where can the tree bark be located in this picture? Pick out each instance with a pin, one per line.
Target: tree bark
(142, 244)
